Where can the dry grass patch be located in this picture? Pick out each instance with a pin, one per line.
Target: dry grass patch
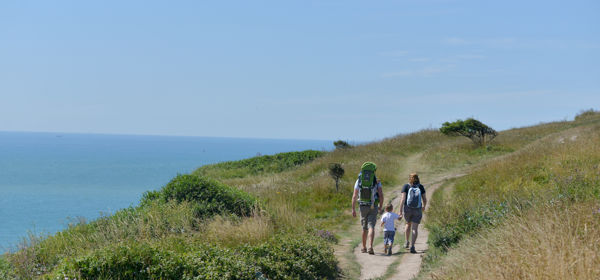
(550, 242)
(231, 232)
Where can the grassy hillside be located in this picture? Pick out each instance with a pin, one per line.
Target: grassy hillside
(272, 216)
(532, 214)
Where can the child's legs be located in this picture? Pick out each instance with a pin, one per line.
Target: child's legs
(388, 237)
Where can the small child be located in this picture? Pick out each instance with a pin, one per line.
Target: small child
(387, 221)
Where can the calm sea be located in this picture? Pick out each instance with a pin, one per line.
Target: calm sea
(49, 179)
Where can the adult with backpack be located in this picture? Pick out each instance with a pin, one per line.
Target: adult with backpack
(368, 193)
(413, 203)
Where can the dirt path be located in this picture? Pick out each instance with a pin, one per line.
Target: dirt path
(411, 263)
(401, 264)
(373, 266)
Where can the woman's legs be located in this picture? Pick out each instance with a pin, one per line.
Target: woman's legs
(407, 232)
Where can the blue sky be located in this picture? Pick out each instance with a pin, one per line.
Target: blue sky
(353, 70)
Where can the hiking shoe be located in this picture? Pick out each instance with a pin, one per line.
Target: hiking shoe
(363, 250)
(385, 250)
(412, 250)
(406, 245)
(371, 252)
(389, 252)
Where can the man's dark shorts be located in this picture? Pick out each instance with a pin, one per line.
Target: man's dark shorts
(413, 215)
(368, 216)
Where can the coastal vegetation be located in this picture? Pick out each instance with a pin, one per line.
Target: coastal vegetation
(258, 165)
(277, 217)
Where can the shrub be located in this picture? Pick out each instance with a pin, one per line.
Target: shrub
(295, 256)
(147, 261)
(6, 270)
(341, 144)
(336, 171)
(327, 235)
(282, 257)
(211, 197)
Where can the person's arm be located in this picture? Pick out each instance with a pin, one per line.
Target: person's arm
(402, 204)
(380, 192)
(354, 197)
(424, 198)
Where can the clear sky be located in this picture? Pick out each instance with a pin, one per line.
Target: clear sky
(352, 70)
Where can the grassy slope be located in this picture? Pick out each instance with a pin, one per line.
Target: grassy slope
(299, 199)
(531, 214)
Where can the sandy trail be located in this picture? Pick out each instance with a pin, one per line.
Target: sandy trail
(403, 264)
(373, 266)
(410, 264)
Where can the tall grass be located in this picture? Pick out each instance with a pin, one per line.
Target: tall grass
(525, 193)
(559, 241)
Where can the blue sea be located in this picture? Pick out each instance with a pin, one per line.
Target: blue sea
(50, 179)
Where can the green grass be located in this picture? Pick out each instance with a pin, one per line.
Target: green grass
(258, 165)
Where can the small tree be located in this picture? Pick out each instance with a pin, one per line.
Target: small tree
(471, 128)
(336, 171)
(341, 144)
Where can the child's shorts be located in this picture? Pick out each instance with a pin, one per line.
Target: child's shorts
(388, 237)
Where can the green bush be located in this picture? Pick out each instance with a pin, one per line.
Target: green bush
(341, 144)
(211, 197)
(145, 261)
(6, 270)
(282, 257)
(258, 165)
(299, 257)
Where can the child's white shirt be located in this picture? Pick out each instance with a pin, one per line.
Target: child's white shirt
(388, 218)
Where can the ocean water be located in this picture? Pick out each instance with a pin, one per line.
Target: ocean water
(48, 180)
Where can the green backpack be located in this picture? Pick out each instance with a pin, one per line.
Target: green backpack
(367, 184)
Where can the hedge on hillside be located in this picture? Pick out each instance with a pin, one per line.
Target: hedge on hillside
(211, 197)
(282, 257)
(258, 165)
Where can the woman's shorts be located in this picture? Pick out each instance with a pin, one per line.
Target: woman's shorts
(413, 215)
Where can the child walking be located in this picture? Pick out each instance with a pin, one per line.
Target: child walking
(389, 230)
